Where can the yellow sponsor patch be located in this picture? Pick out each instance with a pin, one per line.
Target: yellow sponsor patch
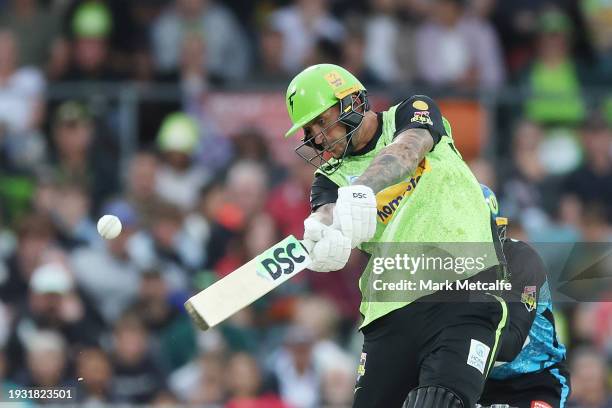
(389, 199)
(334, 79)
(420, 105)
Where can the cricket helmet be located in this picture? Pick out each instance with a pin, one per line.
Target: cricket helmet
(318, 88)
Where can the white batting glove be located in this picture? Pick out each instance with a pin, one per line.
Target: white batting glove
(355, 213)
(329, 249)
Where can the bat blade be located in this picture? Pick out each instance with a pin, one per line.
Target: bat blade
(248, 283)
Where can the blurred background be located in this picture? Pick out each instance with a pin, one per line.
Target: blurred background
(170, 114)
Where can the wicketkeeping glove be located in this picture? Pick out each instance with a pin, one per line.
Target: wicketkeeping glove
(355, 213)
(329, 249)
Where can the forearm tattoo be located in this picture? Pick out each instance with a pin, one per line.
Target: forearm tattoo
(398, 160)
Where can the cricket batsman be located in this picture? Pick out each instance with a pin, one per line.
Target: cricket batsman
(396, 177)
(530, 371)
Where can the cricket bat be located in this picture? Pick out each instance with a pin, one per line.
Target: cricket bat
(248, 283)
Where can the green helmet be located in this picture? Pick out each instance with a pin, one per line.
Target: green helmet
(316, 89)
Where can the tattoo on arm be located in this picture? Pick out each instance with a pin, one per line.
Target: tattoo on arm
(324, 213)
(398, 160)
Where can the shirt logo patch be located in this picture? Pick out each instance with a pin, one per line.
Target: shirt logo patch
(420, 105)
(529, 299)
(388, 200)
(422, 117)
(362, 364)
(477, 357)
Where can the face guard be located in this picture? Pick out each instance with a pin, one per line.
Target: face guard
(352, 112)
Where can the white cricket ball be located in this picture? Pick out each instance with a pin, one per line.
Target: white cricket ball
(109, 226)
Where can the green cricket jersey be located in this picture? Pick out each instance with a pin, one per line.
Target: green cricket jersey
(426, 214)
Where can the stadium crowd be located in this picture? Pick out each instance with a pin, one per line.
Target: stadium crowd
(106, 317)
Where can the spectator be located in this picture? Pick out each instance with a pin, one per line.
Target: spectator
(21, 17)
(245, 385)
(591, 183)
(81, 157)
(35, 236)
(53, 304)
(5, 324)
(179, 179)
(465, 49)
(209, 387)
(59, 62)
(133, 363)
(21, 107)
(247, 185)
(269, 67)
(5, 383)
(140, 184)
(171, 329)
(227, 54)
(47, 362)
(71, 215)
(598, 16)
(353, 57)
(179, 252)
(301, 25)
(251, 144)
(337, 384)
(294, 366)
(91, 27)
(289, 203)
(526, 181)
(554, 77)
(110, 276)
(589, 375)
(94, 367)
(387, 39)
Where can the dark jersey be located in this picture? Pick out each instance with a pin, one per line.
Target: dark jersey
(530, 342)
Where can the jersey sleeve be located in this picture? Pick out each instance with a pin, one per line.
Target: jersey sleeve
(527, 275)
(323, 191)
(419, 112)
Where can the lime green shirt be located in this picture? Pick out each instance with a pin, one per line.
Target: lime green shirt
(439, 205)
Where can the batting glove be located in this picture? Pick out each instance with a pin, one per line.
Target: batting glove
(329, 249)
(355, 213)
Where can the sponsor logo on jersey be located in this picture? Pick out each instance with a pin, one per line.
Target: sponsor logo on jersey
(477, 357)
(540, 404)
(529, 299)
(389, 199)
(362, 363)
(422, 117)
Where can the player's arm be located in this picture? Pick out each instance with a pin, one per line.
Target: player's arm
(527, 275)
(398, 160)
(419, 127)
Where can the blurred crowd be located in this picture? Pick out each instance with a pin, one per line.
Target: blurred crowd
(106, 317)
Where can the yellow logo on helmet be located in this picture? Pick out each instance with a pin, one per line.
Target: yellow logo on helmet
(334, 79)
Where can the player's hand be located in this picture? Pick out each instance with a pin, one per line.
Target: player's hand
(355, 213)
(329, 249)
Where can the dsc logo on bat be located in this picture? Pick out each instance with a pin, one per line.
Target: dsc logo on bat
(283, 260)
